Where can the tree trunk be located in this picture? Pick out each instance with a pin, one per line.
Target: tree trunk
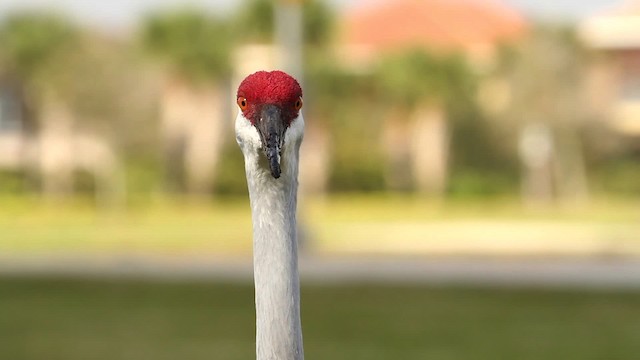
(570, 169)
(192, 128)
(536, 153)
(205, 139)
(174, 111)
(396, 132)
(430, 150)
(314, 160)
(55, 149)
(97, 156)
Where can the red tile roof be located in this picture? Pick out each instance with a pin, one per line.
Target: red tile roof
(448, 24)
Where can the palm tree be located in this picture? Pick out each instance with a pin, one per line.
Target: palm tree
(33, 44)
(547, 77)
(317, 25)
(420, 90)
(257, 24)
(194, 48)
(73, 84)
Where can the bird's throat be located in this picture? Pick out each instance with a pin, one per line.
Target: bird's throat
(275, 260)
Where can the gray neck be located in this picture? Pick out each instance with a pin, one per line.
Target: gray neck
(275, 260)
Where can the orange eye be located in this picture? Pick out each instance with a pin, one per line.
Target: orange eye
(242, 103)
(298, 104)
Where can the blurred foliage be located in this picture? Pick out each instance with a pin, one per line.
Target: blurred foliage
(255, 21)
(480, 162)
(13, 182)
(92, 82)
(620, 175)
(82, 70)
(418, 76)
(318, 23)
(193, 44)
(344, 103)
(548, 74)
(469, 183)
(231, 178)
(31, 41)
(143, 177)
(94, 74)
(413, 78)
(548, 77)
(356, 158)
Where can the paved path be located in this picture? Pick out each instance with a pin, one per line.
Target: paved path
(612, 273)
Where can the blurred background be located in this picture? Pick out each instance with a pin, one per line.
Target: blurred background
(470, 177)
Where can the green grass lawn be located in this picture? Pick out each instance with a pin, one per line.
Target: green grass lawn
(336, 224)
(51, 319)
(175, 228)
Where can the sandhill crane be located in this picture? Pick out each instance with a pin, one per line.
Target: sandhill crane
(269, 129)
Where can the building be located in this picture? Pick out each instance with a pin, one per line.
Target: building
(417, 145)
(615, 78)
(474, 27)
(52, 151)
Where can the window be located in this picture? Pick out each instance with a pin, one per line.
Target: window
(10, 111)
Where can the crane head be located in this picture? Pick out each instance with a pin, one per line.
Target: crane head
(269, 120)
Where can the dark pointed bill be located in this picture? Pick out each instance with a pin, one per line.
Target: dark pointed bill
(271, 129)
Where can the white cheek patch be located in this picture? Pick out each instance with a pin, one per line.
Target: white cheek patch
(295, 132)
(247, 135)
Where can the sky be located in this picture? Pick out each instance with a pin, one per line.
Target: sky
(122, 13)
